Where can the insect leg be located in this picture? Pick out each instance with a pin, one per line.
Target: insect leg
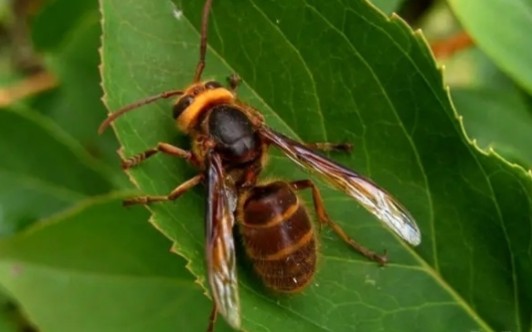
(212, 317)
(234, 81)
(178, 191)
(324, 218)
(328, 147)
(161, 147)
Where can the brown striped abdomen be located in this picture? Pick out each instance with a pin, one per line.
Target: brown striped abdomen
(278, 237)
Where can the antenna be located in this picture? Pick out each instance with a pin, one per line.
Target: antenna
(203, 40)
(113, 116)
(197, 76)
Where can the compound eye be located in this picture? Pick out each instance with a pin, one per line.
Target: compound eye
(212, 85)
(182, 105)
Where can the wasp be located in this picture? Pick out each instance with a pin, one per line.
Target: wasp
(229, 144)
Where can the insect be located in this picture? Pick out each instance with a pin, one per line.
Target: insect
(229, 144)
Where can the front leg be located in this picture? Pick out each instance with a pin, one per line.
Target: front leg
(234, 81)
(160, 147)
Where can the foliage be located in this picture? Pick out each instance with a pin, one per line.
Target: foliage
(319, 71)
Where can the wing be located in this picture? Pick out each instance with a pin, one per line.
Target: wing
(373, 198)
(221, 260)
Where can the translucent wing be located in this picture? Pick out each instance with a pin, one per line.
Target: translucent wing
(221, 260)
(373, 198)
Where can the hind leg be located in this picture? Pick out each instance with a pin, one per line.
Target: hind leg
(324, 219)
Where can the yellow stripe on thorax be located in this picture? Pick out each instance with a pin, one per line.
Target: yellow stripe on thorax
(188, 118)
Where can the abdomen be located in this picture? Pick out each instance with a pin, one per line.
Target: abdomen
(278, 237)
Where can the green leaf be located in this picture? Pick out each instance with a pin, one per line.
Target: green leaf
(42, 170)
(495, 111)
(387, 6)
(501, 29)
(99, 267)
(75, 103)
(11, 319)
(336, 71)
(497, 119)
(53, 24)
